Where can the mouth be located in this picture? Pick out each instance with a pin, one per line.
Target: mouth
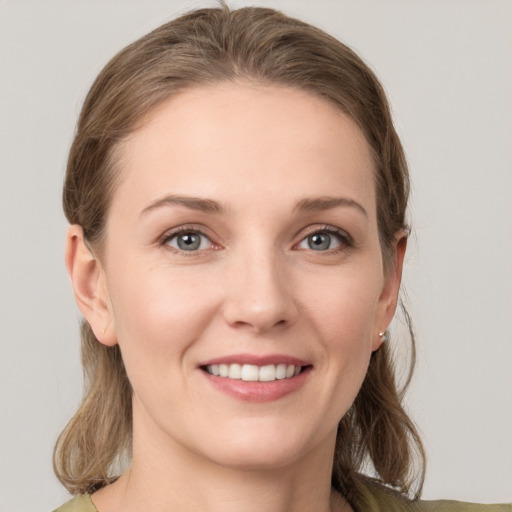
(254, 373)
(257, 378)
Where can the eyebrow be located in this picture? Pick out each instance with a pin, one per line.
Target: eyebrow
(318, 204)
(193, 203)
(308, 204)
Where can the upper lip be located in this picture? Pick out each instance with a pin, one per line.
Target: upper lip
(257, 360)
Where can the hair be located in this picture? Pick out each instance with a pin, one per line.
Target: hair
(201, 48)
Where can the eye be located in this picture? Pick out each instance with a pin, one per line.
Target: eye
(325, 240)
(188, 241)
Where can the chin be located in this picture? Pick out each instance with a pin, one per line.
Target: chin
(250, 459)
(261, 449)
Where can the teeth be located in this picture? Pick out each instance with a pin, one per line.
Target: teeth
(281, 371)
(235, 371)
(253, 373)
(223, 370)
(250, 373)
(268, 373)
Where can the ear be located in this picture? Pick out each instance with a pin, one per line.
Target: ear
(89, 286)
(388, 299)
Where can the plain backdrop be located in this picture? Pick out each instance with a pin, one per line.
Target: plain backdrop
(447, 67)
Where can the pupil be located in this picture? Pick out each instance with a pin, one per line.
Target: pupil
(319, 242)
(189, 241)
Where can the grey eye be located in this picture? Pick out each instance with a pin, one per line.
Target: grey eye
(319, 241)
(189, 241)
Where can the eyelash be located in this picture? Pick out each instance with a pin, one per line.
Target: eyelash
(193, 230)
(346, 241)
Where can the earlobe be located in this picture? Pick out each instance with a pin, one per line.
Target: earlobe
(89, 286)
(389, 297)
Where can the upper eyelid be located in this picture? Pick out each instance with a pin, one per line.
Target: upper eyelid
(186, 228)
(173, 232)
(346, 242)
(311, 230)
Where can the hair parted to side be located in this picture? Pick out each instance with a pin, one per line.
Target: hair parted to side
(201, 48)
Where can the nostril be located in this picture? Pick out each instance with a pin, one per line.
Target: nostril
(259, 325)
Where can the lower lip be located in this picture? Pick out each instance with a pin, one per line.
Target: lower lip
(258, 391)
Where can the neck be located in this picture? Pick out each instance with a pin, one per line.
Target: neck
(219, 489)
(175, 478)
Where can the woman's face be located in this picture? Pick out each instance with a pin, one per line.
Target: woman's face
(242, 240)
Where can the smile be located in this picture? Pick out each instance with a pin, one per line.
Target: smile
(257, 378)
(254, 373)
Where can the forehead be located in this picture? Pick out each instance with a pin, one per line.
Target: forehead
(241, 141)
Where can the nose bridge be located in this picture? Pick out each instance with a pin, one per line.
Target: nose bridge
(260, 292)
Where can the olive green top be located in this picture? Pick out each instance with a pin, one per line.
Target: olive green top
(375, 501)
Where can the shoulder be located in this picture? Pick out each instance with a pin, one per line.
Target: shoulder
(80, 503)
(381, 499)
(455, 506)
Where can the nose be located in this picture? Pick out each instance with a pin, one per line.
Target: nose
(259, 293)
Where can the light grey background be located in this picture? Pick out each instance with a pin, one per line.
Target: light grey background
(447, 66)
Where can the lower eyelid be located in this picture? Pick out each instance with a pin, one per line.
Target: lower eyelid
(343, 237)
(166, 239)
(339, 242)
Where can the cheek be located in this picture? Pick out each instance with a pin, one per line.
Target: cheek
(159, 314)
(344, 318)
(345, 305)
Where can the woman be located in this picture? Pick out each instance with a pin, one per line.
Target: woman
(237, 194)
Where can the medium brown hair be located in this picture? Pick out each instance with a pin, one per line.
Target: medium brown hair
(200, 48)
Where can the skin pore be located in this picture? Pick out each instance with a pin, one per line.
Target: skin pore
(243, 230)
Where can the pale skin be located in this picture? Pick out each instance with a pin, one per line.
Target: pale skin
(244, 225)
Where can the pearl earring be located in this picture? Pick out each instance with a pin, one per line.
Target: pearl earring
(383, 335)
